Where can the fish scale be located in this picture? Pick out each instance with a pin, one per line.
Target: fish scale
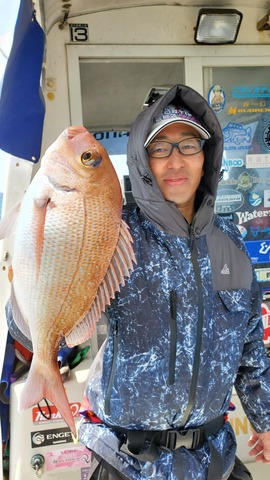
(72, 252)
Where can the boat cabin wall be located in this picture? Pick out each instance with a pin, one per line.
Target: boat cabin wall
(135, 31)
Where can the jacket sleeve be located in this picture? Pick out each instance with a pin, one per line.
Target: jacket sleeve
(14, 331)
(253, 378)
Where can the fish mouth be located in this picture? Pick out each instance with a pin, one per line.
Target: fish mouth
(97, 162)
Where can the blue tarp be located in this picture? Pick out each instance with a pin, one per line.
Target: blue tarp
(22, 106)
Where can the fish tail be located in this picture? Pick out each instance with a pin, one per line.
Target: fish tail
(46, 383)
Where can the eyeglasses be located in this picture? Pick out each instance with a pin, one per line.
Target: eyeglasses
(189, 146)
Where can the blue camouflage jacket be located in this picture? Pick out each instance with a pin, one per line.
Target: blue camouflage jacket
(184, 329)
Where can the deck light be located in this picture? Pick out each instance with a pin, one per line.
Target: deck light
(217, 26)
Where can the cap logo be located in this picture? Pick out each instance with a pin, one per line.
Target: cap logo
(175, 112)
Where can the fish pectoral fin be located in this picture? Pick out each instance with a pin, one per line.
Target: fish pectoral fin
(9, 221)
(18, 317)
(121, 266)
(40, 208)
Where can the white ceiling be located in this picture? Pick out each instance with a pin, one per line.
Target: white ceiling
(54, 11)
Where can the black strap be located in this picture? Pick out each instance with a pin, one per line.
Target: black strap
(215, 470)
(145, 445)
(135, 440)
(240, 471)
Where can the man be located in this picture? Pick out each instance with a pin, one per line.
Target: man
(187, 325)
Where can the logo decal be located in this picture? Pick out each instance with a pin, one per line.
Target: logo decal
(266, 322)
(225, 270)
(228, 201)
(51, 413)
(51, 437)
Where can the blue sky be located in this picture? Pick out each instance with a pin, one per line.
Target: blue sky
(8, 15)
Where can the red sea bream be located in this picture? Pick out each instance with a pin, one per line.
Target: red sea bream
(71, 253)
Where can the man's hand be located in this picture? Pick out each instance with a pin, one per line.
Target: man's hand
(260, 443)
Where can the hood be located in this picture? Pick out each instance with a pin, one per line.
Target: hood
(147, 194)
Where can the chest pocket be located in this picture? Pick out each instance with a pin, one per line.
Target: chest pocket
(231, 267)
(236, 300)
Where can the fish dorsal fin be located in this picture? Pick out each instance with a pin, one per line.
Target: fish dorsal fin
(121, 266)
(18, 317)
(9, 221)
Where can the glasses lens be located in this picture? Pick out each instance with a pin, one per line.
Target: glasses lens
(190, 146)
(159, 149)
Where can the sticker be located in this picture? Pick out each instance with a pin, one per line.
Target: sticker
(249, 108)
(232, 163)
(255, 199)
(246, 91)
(259, 251)
(256, 230)
(261, 180)
(242, 230)
(262, 274)
(266, 294)
(266, 198)
(85, 473)
(228, 201)
(51, 413)
(237, 136)
(229, 181)
(244, 217)
(79, 32)
(266, 322)
(69, 458)
(55, 436)
(266, 136)
(216, 98)
(258, 160)
(244, 181)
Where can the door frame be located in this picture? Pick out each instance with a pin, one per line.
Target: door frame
(195, 58)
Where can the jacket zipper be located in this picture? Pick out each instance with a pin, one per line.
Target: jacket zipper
(196, 361)
(173, 340)
(110, 383)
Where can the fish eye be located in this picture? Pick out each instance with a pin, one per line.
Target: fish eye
(85, 157)
(91, 158)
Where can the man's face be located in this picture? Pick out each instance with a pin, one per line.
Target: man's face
(178, 175)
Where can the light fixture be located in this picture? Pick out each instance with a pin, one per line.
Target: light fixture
(217, 26)
(153, 95)
(264, 23)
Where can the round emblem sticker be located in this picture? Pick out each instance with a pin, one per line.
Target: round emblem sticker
(255, 199)
(216, 98)
(266, 136)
